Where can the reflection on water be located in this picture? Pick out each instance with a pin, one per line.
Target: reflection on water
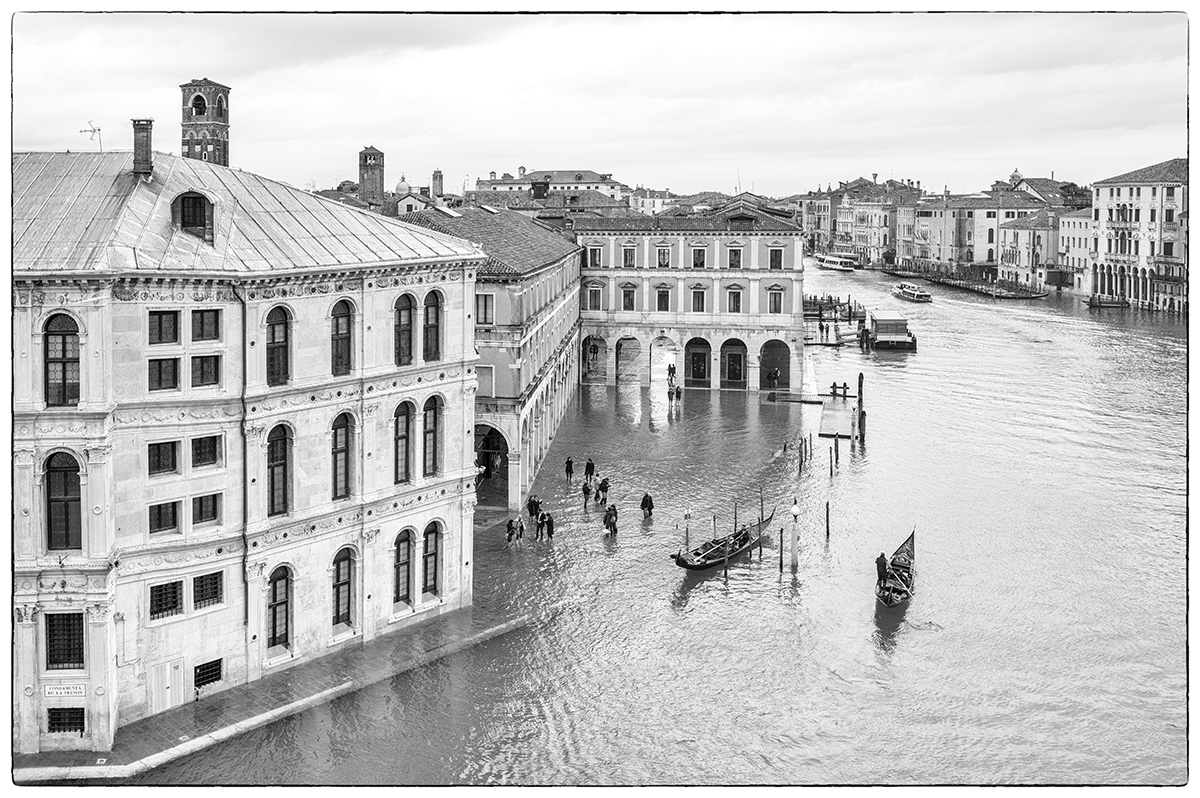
(1018, 440)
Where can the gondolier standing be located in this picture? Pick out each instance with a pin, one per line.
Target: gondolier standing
(881, 567)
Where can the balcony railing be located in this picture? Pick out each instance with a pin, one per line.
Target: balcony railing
(1122, 224)
(1166, 260)
(1170, 227)
(1167, 278)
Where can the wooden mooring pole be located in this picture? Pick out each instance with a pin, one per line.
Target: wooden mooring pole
(827, 520)
(831, 462)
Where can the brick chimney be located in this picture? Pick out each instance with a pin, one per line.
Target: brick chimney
(143, 155)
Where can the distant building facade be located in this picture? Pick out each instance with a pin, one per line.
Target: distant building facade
(555, 180)
(205, 124)
(1028, 249)
(1075, 236)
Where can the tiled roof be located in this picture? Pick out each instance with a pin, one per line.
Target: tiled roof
(89, 212)
(1034, 221)
(1049, 189)
(1015, 200)
(204, 82)
(369, 148)
(1082, 213)
(514, 243)
(1172, 171)
(669, 224)
(555, 176)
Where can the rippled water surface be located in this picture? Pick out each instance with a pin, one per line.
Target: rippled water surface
(1039, 449)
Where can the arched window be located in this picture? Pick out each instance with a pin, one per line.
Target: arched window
(62, 361)
(340, 338)
(279, 445)
(433, 326)
(278, 322)
(403, 592)
(62, 503)
(221, 106)
(431, 436)
(199, 106)
(991, 255)
(343, 573)
(991, 236)
(404, 330)
(403, 438)
(279, 594)
(429, 560)
(342, 429)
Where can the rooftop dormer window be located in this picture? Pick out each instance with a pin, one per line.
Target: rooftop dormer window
(199, 106)
(193, 212)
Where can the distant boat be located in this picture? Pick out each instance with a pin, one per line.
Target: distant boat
(716, 551)
(898, 585)
(888, 329)
(912, 293)
(835, 263)
(1097, 301)
(900, 272)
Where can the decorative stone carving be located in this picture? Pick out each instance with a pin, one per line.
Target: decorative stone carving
(256, 570)
(369, 535)
(98, 454)
(98, 612)
(370, 410)
(23, 457)
(254, 433)
(27, 613)
(133, 563)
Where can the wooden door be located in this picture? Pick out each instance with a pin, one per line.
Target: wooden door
(166, 685)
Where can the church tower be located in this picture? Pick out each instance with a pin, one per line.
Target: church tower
(370, 176)
(205, 121)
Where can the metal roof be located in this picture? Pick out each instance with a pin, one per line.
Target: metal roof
(76, 212)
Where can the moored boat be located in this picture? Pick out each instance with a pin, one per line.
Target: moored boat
(911, 292)
(898, 585)
(1097, 301)
(888, 329)
(716, 551)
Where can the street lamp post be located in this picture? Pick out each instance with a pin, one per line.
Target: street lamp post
(795, 534)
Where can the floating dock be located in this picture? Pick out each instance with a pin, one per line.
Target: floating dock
(838, 416)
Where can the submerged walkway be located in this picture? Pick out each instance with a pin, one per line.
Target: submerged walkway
(186, 729)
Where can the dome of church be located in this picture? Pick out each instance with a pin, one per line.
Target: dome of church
(402, 187)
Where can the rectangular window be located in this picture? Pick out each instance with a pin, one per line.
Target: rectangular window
(593, 299)
(206, 508)
(1168, 249)
(164, 374)
(206, 370)
(161, 457)
(485, 308)
(206, 325)
(628, 257)
(664, 300)
(164, 326)
(627, 299)
(208, 590)
(698, 256)
(774, 302)
(166, 600)
(164, 517)
(1009, 215)
(735, 259)
(1153, 191)
(991, 214)
(208, 673)
(664, 258)
(64, 719)
(735, 301)
(64, 641)
(1168, 215)
(1170, 192)
(776, 259)
(206, 451)
(1135, 246)
(1152, 249)
(698, 301)
(594, 257)
(1152, 210)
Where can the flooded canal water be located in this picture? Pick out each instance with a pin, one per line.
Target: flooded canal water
(1038, 448)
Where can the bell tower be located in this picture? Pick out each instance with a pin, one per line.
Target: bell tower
(205, 126)
(370, 176)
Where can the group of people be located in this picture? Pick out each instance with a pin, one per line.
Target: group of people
(543, 522)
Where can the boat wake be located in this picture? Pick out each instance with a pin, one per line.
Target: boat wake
(925, 626)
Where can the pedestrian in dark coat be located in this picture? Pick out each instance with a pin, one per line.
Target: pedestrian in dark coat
(531, 505)
(570, 470)
(647, 505)
(604, 489)
(511, 530)
(589, 470)
(608, 520)
(541, 525)
(587, 493)
(612, 509)
(599, 493)
(520, 528)
(549, 526)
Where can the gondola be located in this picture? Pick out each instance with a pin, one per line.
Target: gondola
(898, 586)
(714, 552)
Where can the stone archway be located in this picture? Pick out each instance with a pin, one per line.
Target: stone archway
(492, 476)
(735, 364)
(629, 355)
(595, 360)
(775, 354)
(664, 353)
(697, 360)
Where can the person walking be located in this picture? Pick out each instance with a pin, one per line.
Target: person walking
(589, 470)
(570, 470)
(510, 530)
(530, 505)
(599, 494)
(647, 505)
(587, 494)
(612, 508)
(520, 528)
(607, 520)
(604, 489)
(541, 525)
(549, 527)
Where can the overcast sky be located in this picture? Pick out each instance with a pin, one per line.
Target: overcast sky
(685, 102)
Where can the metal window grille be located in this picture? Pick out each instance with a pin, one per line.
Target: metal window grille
(206, 451)
(431, 438)
(206, 325)
(206, 370)
(277, 471)
(433, 337)
(277, 347)
(208, 590)
(193, 212)
(341, 457)
(208, 673)
(163, 517)
(430, 561)
(278, 595)
(206, 508)
(404, 331)
(164, 326)
(402, 437)
(63, 502)
(164, 374)
(166, 600)
(403, 590)
(64, 719)
(343, 567)
(162, 457)
(64, 641)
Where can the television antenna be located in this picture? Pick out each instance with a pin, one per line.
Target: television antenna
(95, 134)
